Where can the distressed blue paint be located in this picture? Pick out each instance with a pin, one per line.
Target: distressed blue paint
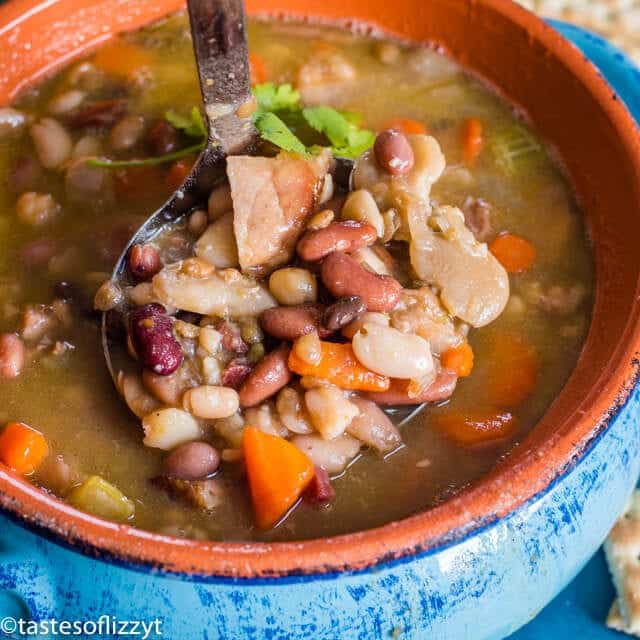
(481, 585)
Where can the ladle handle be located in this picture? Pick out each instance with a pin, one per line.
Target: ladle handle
(218, 29)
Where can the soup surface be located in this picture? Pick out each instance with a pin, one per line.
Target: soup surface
(64, 220)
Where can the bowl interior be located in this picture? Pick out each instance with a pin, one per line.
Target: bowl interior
(565, 98)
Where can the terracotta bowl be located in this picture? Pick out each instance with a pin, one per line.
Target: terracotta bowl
(531, 523)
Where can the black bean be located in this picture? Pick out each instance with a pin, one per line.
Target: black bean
(343, 312)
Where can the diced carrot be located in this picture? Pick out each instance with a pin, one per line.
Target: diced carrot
(405, 125)
(514, 253)
(458, 359)
(22, 448)
(514, 371)
(340, 366)
(121, 58)
(178, 172)
(258, 69)
(278, 473)
(474, 428)
(472, 140)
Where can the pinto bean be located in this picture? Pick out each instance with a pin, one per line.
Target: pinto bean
(373, 427)
(442, 388)
(290, 323)
(151, 331)
(232, 337)
(343, 312)
(393, 152)
(11, 355)
(191, 461)
(347, 236)
(144, 261)
(52, 142)
(344, 277)
(269, 376)
(126, 133)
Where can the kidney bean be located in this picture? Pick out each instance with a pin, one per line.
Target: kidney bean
(144, 261)
(151, 331)
(11, 355)
(24, 175)
(101, 114)
(345, 276)
(37, 253)
(236, 372)
(442, 388)
(343, 312)
(267, 378)
(347, 236)
(290, 323)
(393, 152)
(320, 491)
(191, 461)
(162, 138)
(232, 337)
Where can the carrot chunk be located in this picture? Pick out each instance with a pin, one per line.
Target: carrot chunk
(405, 125)
(22, 448)
(122, 58)
(474, 428)
(472, 140)
(514, 253)
(340, 366)
(278, 474)
(258, 69)
(514, 371)
(458, 359)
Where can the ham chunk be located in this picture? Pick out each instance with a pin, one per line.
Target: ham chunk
(272, 198)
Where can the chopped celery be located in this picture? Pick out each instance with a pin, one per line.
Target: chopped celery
(100, 498)
(515, 149)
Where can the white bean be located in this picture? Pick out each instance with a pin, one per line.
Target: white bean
(87, 147)
(373, 427)
(391, 353)
(330, 411)
(52, 142)
(266, 418)
(369, 316)
(332, 455)
(292, 411)
(361, 206)
(66, 101)
(211, 403)
(135, 395)
(217, 245)
(167, 428)
(309, 348)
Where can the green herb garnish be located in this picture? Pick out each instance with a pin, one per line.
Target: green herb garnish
(279, 119)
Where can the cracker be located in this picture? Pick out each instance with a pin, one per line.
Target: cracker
(622, 549)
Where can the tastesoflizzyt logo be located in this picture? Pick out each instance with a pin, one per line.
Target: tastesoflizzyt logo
(104, 626)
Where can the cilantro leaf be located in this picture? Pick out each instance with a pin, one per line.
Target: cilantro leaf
(346, 139)
(192, 125)
(276, 98)
(273, 129)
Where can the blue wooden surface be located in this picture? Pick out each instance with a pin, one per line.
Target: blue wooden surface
(580, 610)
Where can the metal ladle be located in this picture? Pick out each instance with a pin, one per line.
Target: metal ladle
(218, 30)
